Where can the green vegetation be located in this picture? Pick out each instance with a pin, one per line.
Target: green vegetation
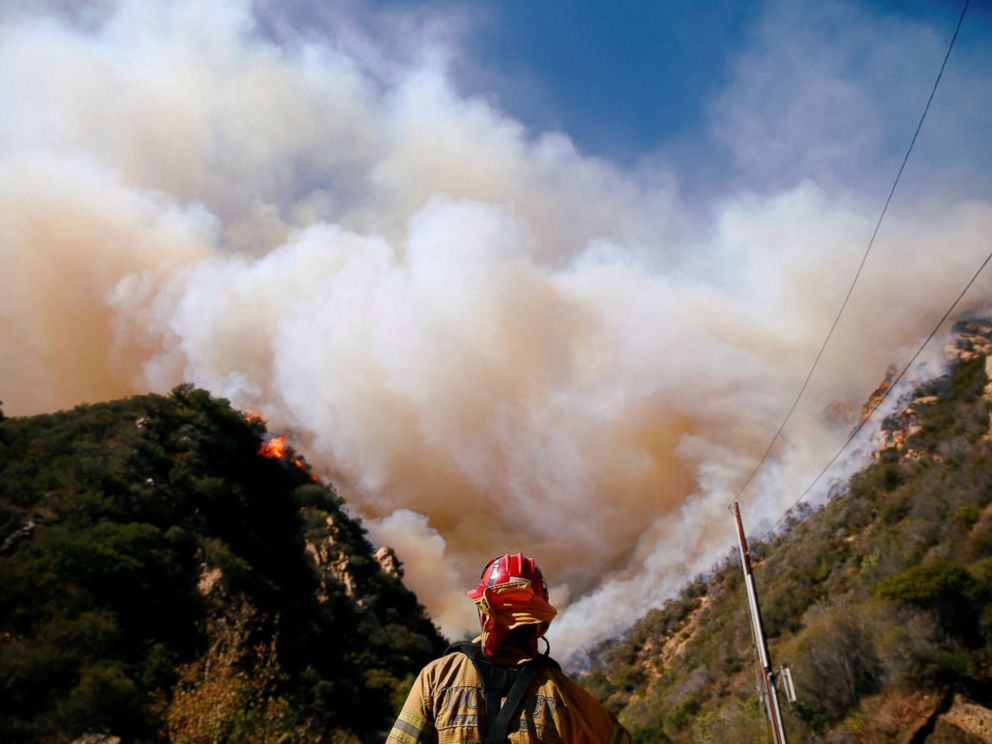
(885, 590)
(161, 580)
(157, 578)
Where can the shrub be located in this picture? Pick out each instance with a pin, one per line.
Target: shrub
(105, 696)
(848, 650)
(979, 542)
(942, 587)
(735, 721)
(834, 661)
(231, 694)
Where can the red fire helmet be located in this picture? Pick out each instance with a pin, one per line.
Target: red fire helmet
(509, 568)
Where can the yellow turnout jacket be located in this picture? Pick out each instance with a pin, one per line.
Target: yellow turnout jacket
(447, 706)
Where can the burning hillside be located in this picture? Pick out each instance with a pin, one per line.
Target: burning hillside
(161, 580)
(274, 447)
(877, 601)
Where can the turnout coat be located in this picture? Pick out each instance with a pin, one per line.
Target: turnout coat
(447, 706)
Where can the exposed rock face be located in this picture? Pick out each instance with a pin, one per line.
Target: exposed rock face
(673, 646)
(387, 560)
(972, 340)
(880, 392)
(896, 430)
(965, 723)
(327, 556)
(210, 577)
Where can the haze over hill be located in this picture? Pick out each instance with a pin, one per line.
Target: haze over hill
(489, 338)
(880, 602)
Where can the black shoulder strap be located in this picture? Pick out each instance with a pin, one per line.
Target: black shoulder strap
(492, 688)
(500, 714)
(500, 730)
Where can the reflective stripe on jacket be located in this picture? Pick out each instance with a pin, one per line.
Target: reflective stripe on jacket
(447, 706)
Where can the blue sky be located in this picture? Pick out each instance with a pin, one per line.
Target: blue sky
(719, 95)
(631, 79)
(620, 78)
(623, 77)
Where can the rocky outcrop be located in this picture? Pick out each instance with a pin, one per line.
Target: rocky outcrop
(897, 429)
(327, 556)
(210, 578)
(875, 399)
(971, 340)
(673, 646)
(388, 561)
(965, 723)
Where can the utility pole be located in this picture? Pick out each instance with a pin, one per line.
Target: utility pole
(764, 661)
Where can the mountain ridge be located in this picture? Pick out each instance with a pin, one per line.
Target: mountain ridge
(880, 600)
(161, 576)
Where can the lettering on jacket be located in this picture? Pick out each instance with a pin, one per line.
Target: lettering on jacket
(464, 706)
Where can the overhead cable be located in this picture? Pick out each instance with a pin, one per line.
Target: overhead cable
(871, 411)
(864, 259)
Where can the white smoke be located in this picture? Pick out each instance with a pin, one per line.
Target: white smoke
(492, 341)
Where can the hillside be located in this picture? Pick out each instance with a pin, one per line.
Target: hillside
(170, 570)
(160, 577)
(880, 602)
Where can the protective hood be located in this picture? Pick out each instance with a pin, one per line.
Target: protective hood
(506, 607)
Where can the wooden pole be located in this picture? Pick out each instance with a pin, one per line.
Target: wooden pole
(764, 661)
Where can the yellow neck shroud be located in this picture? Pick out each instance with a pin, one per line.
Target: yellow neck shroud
(505, 608)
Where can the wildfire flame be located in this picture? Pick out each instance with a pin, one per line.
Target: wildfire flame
(254, 416)
(275, 448)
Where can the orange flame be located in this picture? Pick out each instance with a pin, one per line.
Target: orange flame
(254, 416)
(275, 448)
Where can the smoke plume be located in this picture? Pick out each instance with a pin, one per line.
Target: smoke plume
(489, 340)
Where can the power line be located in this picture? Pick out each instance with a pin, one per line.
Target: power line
(864, 259)
(871, 411)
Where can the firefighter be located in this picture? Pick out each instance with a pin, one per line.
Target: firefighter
(499, 688)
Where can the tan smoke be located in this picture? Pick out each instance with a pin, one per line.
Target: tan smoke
(490, 340)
